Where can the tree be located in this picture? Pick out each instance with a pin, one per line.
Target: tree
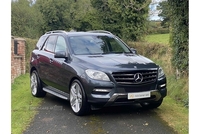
(25, 19)
(56, 14)
(179, 39)
(134, 18)
(164, 14)
(125, 18)
(82, 15)
(108, 15)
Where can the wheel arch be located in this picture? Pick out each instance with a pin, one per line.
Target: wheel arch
(79, 79)
(32, 69)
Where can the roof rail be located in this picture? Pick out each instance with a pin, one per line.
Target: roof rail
(100, 31)
(55, 31)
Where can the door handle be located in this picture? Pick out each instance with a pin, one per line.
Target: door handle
(51, 60)
(38, 56)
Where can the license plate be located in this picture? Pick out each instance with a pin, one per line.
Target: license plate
(139, 95)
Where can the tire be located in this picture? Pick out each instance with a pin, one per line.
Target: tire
(36, 85)
(78, 99)
(151, 105)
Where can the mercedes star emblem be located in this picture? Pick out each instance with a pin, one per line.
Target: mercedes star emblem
(138, 77)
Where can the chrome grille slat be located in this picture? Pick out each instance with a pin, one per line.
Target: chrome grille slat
(127, 78)
(118, 75)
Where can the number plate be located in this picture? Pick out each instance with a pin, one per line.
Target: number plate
(139, 95)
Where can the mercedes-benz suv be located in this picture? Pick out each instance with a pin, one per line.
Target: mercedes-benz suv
(94, 69)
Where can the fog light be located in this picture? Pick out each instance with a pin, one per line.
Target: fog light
(102, 90)
(163, 85)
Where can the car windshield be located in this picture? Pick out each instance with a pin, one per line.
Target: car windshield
(91, 45)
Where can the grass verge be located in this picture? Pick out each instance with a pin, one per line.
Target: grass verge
(21, 103)
(175, 115)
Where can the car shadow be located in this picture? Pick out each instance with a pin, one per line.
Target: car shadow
(111, 110)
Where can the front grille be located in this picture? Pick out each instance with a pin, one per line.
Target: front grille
(134, 77)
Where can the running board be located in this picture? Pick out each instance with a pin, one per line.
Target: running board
(56, 93)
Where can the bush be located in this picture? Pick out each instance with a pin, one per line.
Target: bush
(30, 45)
(179, 39)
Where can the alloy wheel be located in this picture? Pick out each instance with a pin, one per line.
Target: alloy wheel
(76, 97)
(34, 83)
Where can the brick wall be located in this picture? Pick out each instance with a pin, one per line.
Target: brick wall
(17, 59)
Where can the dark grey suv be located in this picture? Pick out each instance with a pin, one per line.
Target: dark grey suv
(94, 69)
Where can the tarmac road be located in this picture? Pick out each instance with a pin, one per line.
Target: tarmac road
(55, 117)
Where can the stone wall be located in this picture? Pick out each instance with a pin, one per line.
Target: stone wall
(17, 57)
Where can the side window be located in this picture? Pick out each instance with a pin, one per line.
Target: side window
(40, 42)
(50, 43)
(115, 46)
(60, 44)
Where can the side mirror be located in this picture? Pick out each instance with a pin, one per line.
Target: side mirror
(60, 54)
(134, 50)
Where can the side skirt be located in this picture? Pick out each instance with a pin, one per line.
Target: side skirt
(56, 92)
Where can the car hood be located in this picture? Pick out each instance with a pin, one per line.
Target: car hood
(115, 61)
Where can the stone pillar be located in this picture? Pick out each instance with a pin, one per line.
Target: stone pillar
(18, 65)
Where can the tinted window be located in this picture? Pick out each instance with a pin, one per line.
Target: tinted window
(60, 44)
(50, 43)
(40, 42)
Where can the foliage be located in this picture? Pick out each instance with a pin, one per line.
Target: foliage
(164, 7)
(126, 19)
(25, 20)
(134, 18)
(155, 27)
(30, 45)
(55, 14)
(82, 16)
(179, 38)
(108, 16)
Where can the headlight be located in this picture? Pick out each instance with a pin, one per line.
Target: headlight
(97, 75)
(160, 72)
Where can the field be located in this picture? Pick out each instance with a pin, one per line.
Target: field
(158, 38)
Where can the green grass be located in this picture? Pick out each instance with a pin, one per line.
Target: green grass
(21, 102)
(158, 38)
(174, 109)
(175, 115)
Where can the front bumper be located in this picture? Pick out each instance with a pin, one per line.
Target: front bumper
(122, 98)
(103, 94)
